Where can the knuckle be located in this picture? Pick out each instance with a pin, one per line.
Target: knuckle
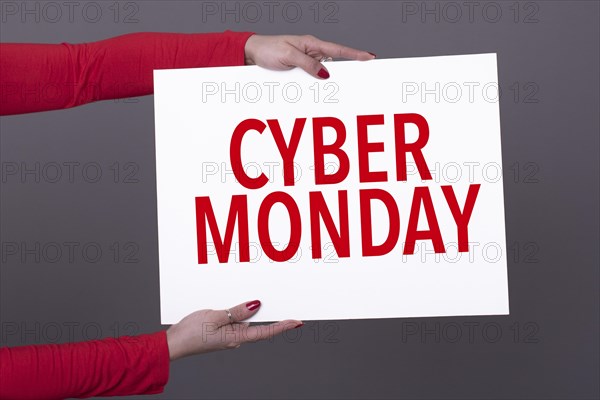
(238, 314)
(232, 345)
(213, 315)
(288, 53)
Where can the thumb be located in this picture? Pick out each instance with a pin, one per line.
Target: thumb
(308, 64)
(238, 313)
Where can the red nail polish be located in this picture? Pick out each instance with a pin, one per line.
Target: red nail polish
(299, 325)
(374, 55)
(323, 73)
(253, 305)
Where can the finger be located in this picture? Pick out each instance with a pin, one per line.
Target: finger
(238, 313)
(261, 332)
(297, 58)
(335, 50)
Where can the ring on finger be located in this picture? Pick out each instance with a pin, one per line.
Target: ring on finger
(229, 316)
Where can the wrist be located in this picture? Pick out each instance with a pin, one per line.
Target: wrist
(173, 344)
(249, 50)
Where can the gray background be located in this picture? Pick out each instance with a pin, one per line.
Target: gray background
(546, 348)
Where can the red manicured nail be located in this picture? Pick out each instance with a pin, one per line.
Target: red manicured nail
(323, 73)
(374, 55)
(253, 305)
(299, 325)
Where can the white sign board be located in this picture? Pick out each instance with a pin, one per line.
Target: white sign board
(374, 194)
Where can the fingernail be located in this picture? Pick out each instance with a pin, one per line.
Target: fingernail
(299, 325)
(323, 73)
(374, 55)
(253, 305)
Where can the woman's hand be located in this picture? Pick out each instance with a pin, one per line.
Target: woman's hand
(210, 330)
(286, 52)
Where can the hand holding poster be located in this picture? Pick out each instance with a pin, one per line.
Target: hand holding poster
(375, 194)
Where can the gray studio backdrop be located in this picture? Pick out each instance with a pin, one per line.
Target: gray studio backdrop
(104, 281)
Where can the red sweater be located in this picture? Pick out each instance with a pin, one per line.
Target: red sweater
(40, 77)
(108, 367)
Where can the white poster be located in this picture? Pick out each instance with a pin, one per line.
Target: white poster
(374, 194)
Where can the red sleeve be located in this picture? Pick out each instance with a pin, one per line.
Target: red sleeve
(40, 77)
(109, 367)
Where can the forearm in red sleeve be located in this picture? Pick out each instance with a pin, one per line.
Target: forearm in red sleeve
(110, 367)
(41, 77)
